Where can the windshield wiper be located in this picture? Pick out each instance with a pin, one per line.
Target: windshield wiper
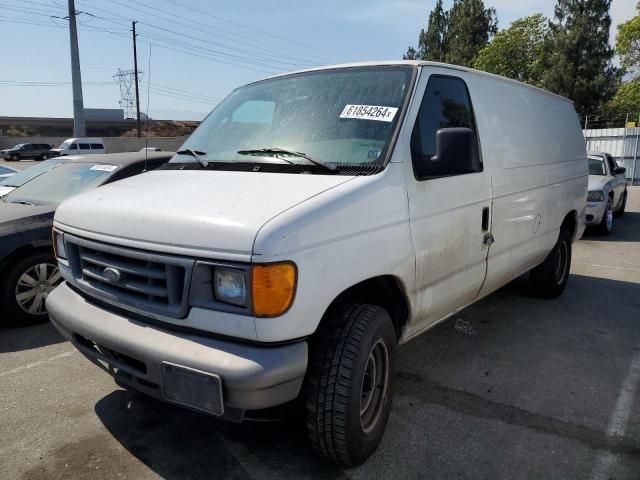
(23, 202)
(196, 154)
(281, 151)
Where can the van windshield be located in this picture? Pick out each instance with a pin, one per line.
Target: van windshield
(343, 117)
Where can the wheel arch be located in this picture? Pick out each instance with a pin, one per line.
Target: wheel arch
(570, 223)
(385, 291)
(23, 250)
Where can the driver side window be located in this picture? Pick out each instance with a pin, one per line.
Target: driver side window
(446, 104)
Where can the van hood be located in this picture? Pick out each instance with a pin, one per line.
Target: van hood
(216, 212)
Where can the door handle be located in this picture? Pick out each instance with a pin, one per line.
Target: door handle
(485, 219)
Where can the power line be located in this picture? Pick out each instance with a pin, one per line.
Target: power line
(190, 26)
(243, 38)
(316, 49)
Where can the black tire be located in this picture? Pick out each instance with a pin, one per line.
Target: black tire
(605, 227)
(549, 279)
(623, 206)
(337, 386)
(44, 156)
(13, 312)
(14, 158)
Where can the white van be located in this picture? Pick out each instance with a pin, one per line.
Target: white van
(79, 146)
(313, 223)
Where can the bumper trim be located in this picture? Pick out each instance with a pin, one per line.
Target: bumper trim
(253, 377)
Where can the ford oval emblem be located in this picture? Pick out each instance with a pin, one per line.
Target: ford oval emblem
(111, 275)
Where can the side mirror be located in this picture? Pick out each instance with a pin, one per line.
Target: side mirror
(456, 153)
(619, 170)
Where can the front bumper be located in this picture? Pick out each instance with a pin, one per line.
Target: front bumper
(252, 377)
(594, 212)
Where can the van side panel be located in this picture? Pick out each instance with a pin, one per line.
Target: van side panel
(539, 174)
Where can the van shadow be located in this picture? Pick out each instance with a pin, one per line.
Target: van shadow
(25, 338)
(177, 443)
(512, 343)
(625, 229)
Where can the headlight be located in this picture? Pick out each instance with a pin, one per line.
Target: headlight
(59, 250)
(230, 286)
(597, 196)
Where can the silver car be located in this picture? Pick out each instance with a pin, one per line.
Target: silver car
(607, 195)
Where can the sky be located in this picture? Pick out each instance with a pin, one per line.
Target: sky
(195, 52)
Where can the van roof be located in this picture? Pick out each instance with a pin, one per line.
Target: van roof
(86, 139)
(421, 63)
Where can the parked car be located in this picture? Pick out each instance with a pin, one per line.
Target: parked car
(79, 146)
(11, 183)
(21, 151)
(607, 196)
(28, 271)
(6, 172)
(311, 224)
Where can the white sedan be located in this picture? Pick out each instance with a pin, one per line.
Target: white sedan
(607, 195)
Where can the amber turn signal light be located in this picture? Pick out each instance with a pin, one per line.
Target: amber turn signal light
(272, 288)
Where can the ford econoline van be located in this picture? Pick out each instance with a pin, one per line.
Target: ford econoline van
(313, 223)
(79, 146)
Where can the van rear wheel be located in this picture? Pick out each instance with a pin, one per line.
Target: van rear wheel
(549, 279)
(350, 384)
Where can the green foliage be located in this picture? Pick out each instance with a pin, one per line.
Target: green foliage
(470, 27)
(627, 98)
(628, 43)
(577, 56)
(431, 42)
(455, 36)
(517, 51)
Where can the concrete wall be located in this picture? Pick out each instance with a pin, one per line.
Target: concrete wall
(111, 144)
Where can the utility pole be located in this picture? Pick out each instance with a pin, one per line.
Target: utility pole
(76, 79)
(135, 68)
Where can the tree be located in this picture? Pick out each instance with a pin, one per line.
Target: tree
(431, 43)
(628, 42)
(627, 98)
(455, 36)
(577, 56)
(471, 25)
(517, 51)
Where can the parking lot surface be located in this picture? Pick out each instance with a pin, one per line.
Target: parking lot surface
(512, 387)
(21, 165)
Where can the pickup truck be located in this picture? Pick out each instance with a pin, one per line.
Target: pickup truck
(312, 224)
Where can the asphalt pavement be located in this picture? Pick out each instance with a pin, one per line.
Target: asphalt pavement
(20, 165)
(513, 387)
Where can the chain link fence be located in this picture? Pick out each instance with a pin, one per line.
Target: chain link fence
(618, 135)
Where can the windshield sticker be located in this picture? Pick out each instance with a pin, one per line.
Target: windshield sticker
(104, 168)
(369, 112)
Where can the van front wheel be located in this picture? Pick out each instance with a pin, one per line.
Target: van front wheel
(550, 277)
(350, 384)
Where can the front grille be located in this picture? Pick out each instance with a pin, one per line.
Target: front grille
(146, 281)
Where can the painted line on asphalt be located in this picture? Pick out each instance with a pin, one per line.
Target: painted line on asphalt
(36, 364)
(605, 461)
(610, 266)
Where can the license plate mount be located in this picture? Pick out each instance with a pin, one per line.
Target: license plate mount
(192, 388)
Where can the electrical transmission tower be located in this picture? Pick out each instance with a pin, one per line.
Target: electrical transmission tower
(126, 80)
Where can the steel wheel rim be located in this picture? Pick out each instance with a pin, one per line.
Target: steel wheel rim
(34, 285)
(561, 267)
(609, 216)
(375, 383)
